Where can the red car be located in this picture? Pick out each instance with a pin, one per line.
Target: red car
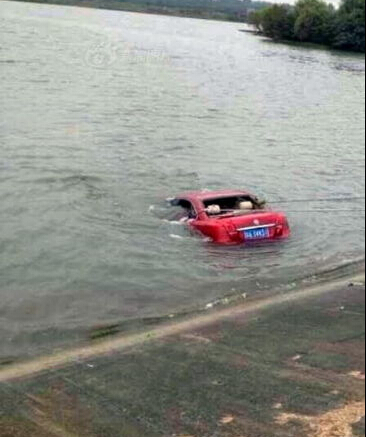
(231, 217)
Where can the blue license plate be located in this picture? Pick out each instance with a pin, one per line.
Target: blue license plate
(256, 234)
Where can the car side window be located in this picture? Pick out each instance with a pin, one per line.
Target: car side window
(187, 206)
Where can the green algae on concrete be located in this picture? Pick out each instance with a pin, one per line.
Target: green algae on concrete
(228, 379)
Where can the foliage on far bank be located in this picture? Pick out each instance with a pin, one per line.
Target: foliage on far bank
(315, 21)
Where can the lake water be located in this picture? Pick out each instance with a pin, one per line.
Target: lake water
(105, 114)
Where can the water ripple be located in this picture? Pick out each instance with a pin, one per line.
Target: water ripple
(105, 115)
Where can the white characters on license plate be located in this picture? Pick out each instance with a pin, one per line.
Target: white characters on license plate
(256, 234)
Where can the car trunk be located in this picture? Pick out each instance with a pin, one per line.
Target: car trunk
(258, 225)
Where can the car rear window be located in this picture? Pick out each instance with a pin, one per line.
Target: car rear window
(228, 203)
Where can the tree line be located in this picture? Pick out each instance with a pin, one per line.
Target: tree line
(315, 21)
(228, 10)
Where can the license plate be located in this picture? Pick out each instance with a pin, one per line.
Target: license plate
(256, 234)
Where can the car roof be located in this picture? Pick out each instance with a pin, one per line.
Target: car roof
(211, 195)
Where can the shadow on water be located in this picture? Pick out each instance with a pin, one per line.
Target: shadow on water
(307, 54)
(306, 46)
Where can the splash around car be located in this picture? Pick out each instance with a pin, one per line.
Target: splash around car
(230, 217)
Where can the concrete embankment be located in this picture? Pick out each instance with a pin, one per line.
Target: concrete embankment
(288, 365)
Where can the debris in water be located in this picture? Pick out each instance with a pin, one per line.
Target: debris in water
(356, 284)
(213, 304)
(176, 237)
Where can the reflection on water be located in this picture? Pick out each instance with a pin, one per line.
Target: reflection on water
(105, 114)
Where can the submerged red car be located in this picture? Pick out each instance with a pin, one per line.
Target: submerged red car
(231, 217)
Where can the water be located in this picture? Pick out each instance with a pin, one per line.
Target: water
(105, 114)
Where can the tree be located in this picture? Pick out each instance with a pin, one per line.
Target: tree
(314, 21)
(350, 26)
(277, 21)
(255, 18)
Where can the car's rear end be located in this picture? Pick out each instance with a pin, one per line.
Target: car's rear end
(249, 228)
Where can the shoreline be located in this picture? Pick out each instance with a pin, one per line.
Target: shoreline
(301, 44)
(122, 342)
(63, 339)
